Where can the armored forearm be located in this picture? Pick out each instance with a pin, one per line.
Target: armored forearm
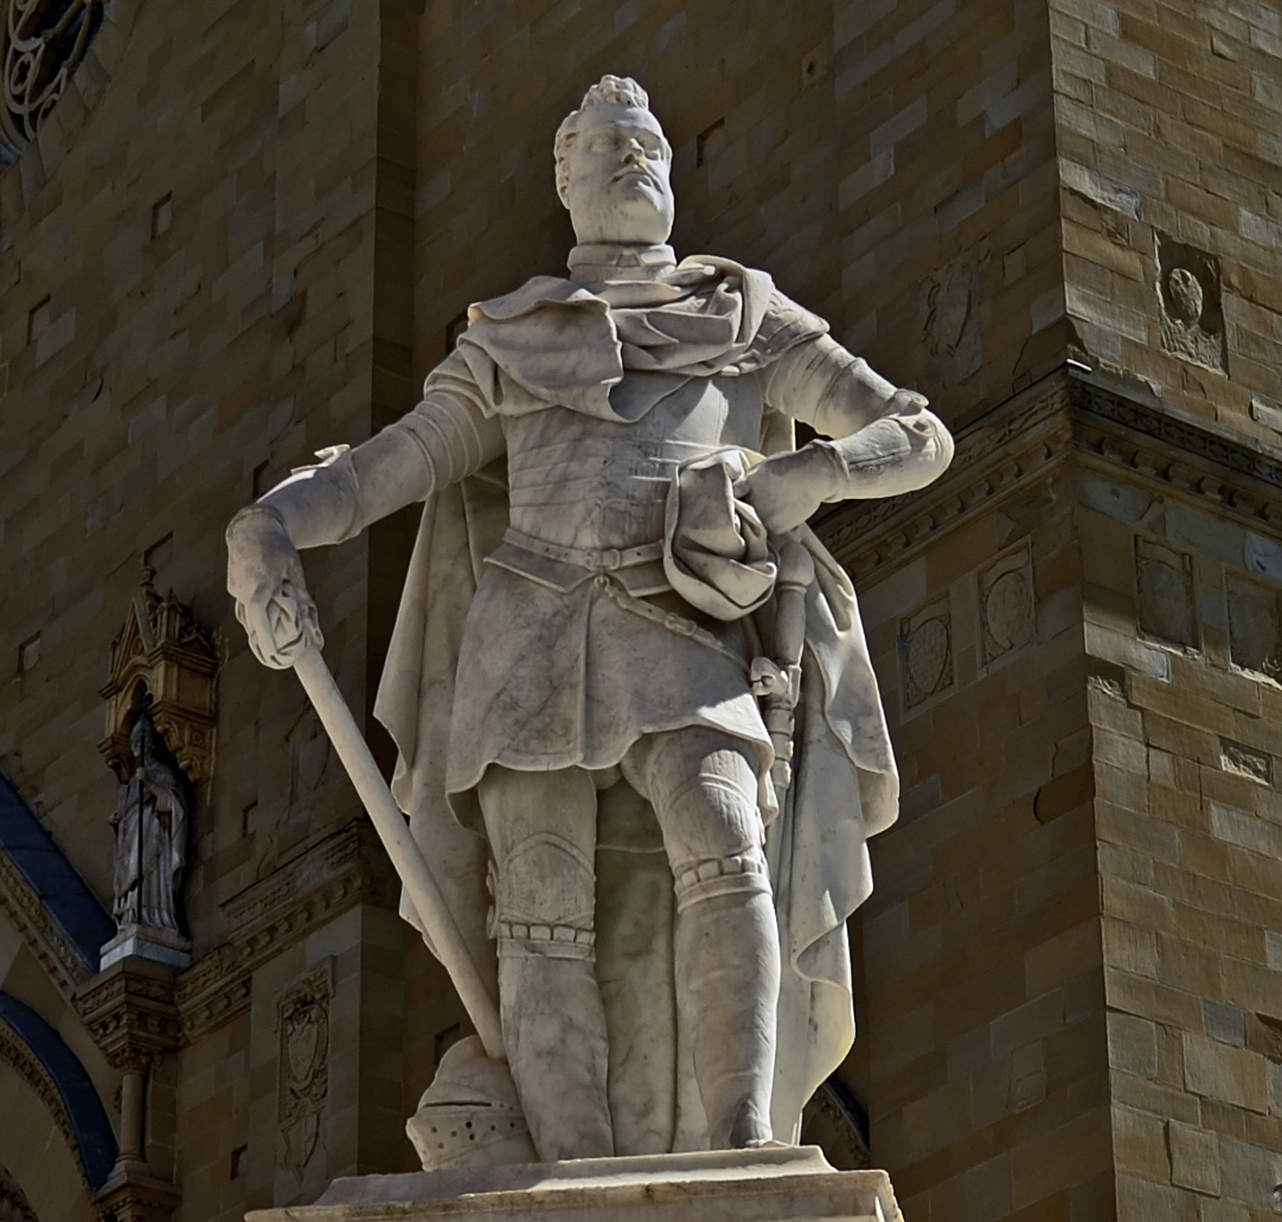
(885, 441)
(445, 438)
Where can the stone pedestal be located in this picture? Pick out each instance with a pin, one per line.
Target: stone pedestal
(793, 1182)
(144, 942)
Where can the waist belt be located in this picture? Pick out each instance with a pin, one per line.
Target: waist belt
(597, 559)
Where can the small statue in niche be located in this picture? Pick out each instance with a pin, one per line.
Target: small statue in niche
(150, 822)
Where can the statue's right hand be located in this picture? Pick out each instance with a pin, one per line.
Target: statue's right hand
(265, 577)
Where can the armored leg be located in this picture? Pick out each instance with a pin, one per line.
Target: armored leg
(703, 787)
(542, 831)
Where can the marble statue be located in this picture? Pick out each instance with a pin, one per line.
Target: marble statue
(150, 822)
(641, 743)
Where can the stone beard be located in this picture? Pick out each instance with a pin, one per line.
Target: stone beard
(609, 476)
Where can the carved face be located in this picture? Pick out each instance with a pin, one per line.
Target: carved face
(618, 188)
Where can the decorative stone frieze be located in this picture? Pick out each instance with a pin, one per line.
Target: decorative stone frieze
(41, 933)
(16, 1054)
(1063, 417)
(346, 868)
(130, 1010)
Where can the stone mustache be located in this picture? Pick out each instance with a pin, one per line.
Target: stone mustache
(641, 743)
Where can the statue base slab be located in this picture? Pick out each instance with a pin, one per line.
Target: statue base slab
(158, 945)
(768, 1185)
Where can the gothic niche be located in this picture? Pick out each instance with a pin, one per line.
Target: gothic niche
(159, 743)
(44, 44)
(1189, 295)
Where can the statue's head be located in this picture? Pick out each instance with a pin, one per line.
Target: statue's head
(143, 737)
(612, 166)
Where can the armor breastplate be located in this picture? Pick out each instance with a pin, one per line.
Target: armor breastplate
(582, 482)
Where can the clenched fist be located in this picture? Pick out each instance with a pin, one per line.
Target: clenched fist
(265, 577)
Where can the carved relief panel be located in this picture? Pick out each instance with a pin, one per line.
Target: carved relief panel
(302, 1020)
(1189, 297)
(950, 324)
(1166, 606)
(1006, 606)
(1255, 626)
(926, 653)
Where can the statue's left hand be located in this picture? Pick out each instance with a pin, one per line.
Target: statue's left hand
(265, 577)
(787, 488)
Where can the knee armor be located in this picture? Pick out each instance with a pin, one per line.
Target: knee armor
(739, 873)
(544, 899)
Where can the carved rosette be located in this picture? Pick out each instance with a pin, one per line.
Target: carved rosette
(164, 655)
(44, 43)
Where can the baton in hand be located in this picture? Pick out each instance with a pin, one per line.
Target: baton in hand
(390, 824)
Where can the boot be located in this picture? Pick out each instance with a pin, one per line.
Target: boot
(727, 968)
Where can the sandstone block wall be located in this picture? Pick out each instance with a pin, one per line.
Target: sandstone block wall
(983, 1047)
(947, 197)
(1181, 627)
(1166, 128)
(189, 269)
(743, 88)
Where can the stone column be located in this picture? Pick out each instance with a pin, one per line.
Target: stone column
(130, 1010)
(133, 1094)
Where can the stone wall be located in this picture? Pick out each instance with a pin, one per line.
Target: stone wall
(1182, 632)
(189, 259)
(947, 196)
(744, 89)
(1166, 126)
(982, 1028)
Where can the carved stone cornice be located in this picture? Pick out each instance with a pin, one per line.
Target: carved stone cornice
(42, 934)
(1179, 456)
(1001, 454)
(1067, 417)
(130, 1011)
(346, 868)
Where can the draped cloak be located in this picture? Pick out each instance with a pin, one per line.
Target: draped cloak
(553, 342)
